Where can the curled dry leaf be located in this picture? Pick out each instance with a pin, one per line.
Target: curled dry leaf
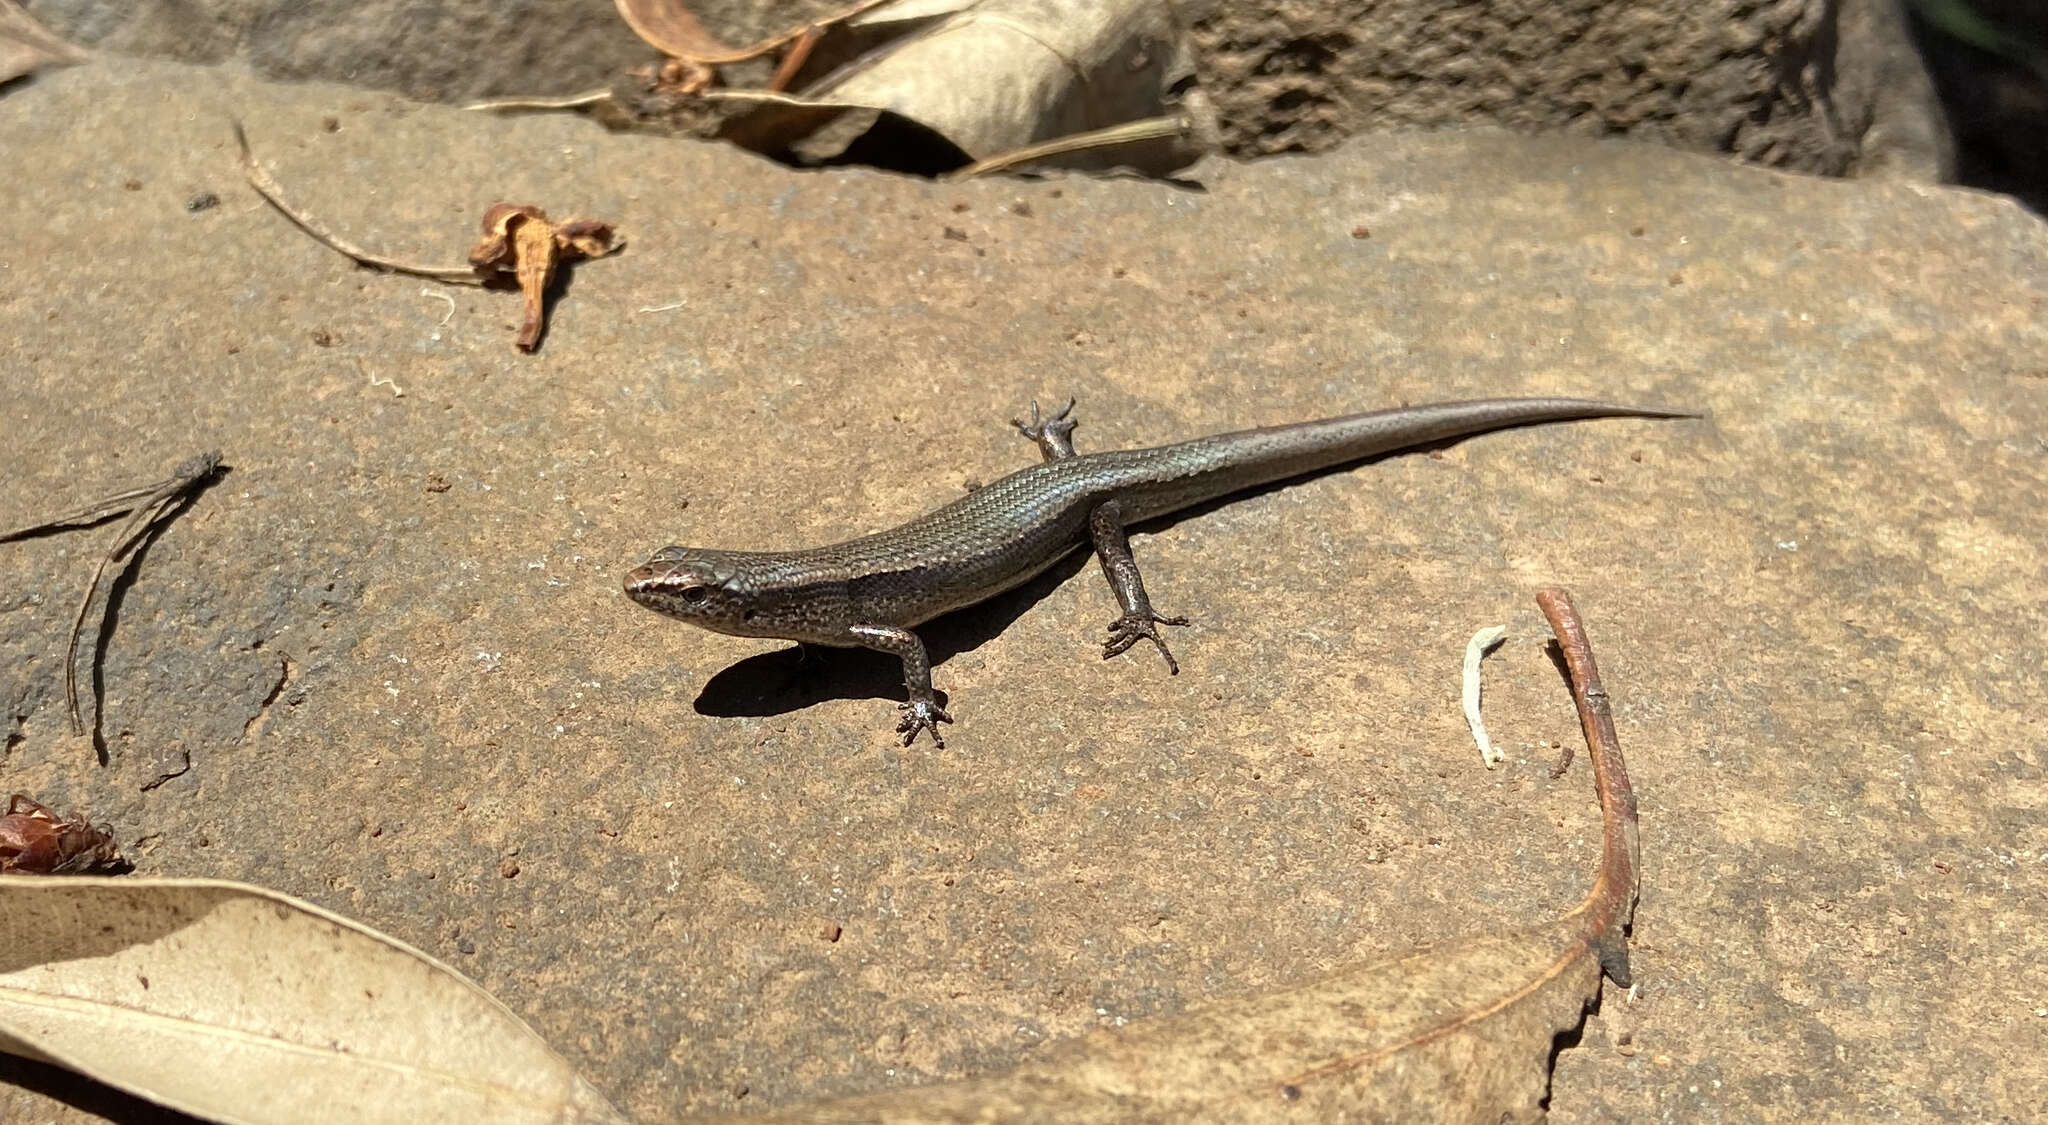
(520, 243)
(241, 1005)
(1461, 1031)
(973, 79)
(671, 28)
(34, 840)
(27, 46)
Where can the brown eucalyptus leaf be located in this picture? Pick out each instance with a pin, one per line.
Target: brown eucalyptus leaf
(238, 1004)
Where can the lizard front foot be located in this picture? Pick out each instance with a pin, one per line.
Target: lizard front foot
(1131, 628)
(921, 715)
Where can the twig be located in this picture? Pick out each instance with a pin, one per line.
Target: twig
(268, 188)
(567, 101)
(1613, 900)
(149, 504)
(1130, 132)
(84, 517)
(447, 316)
(1482, 642)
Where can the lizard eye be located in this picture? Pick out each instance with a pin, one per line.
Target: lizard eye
(694, 594)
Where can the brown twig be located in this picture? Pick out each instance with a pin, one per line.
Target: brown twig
(92, 513)
(148, 504)
(793, 60)
(268, 188)
(1612, 902)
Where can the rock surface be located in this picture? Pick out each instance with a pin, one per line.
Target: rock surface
(1830, 86)
(392, 643)
(1812, 85)
(426, 49)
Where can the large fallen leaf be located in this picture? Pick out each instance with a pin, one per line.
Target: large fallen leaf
(975, 79)
(1461, 1031)
(241, 1005)
(27, 46)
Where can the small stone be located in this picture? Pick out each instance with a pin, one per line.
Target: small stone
(204, 201)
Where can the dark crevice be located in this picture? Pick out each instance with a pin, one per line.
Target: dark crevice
(1994, 93)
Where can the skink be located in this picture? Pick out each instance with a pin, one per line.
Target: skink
(870, 592)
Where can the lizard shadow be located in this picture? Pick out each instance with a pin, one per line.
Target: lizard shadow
(790, 679)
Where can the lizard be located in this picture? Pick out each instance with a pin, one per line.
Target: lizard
(871, 592)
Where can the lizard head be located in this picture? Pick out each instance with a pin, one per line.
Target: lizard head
(709, 589)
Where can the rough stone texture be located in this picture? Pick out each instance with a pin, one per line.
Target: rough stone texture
(1818, 611)
(1829, 86)
(427, 49)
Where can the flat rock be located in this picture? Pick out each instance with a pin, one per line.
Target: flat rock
(427, 49)
(391, 644)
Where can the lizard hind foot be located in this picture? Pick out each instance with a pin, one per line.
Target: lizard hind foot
(1131, 628)
(1060, 424)
(921, 715)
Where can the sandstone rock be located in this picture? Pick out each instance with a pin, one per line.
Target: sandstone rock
(1831, 86)
(1813, 85)
(392, 642)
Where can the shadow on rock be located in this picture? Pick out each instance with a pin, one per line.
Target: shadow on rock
(776, 683)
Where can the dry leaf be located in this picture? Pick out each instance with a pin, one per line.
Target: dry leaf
(671, 28)
(27, 46)
(34, 840)
(519, 242)
(1457, 1032)
(931, 85)
(241, 1005)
